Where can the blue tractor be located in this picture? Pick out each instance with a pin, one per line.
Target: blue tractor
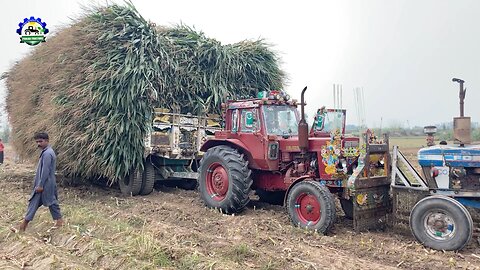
(448, 185)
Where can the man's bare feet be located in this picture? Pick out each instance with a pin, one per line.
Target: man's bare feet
(59, 223)
(23, 225)
(21, 228)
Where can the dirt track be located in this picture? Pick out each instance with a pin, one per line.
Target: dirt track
(171, 229)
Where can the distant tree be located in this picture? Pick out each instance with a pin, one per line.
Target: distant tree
(445, 135)
(476, 134)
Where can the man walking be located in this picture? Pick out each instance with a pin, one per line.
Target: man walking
(45, 187)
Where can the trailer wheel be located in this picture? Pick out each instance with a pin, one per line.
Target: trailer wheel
(271, 197)
(347, 207)
(148, 178)
(131, 184)
(311, 206)
(441, 223)
(224, 179)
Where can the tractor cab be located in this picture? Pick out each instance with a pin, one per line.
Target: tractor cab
(280, 120)
(328, 121)
(257, 125)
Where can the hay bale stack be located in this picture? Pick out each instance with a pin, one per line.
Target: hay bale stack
(204, 71)
(93, 86)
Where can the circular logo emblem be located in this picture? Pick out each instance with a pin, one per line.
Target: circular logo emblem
(32, 31)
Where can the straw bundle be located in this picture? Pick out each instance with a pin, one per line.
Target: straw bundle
(93, 86)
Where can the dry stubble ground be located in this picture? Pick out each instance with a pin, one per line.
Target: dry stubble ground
(171, 229)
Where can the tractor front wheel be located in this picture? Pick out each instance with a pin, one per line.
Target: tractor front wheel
(311, 206)
(224, 179)
(441, 223)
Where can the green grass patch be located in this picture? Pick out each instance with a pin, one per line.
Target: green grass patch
(189, 262)
(240, 253)
(408, 142)
(270, 265)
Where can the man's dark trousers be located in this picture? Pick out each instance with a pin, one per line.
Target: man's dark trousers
(36, 202)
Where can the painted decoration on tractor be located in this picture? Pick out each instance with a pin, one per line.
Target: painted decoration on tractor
(362, 199)
(330, 153)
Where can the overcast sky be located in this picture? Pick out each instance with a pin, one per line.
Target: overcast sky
(403, 53)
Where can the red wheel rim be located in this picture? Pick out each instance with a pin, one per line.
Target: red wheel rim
(217, 181)
(308, 209)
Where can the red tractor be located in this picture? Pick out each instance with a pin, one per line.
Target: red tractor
(266, 145)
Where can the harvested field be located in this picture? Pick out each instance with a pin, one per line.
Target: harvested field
(171, 229)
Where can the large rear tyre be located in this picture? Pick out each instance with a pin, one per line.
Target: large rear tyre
(311, 206)
(441, 223)
(224, 179)
(131, 184)
(271, 197)
(148, 178)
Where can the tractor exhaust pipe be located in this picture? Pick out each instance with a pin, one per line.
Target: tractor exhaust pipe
(461, 94)
(462, 125)
(303, 126)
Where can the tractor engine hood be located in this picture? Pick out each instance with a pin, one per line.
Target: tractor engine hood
(289, 144)
(314, 143)
(454, 156)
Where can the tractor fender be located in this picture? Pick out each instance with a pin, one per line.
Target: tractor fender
(234, 143)
(296, 181)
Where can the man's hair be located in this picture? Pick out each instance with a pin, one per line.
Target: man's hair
(40, 136)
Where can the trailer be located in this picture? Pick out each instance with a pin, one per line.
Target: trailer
(172, 152)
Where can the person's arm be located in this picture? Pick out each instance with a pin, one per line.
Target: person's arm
(46, 169)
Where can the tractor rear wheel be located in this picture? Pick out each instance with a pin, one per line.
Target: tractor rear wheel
(224, 179)
(311, 206)
(148, 178)
(132, 183)
(441, 223)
